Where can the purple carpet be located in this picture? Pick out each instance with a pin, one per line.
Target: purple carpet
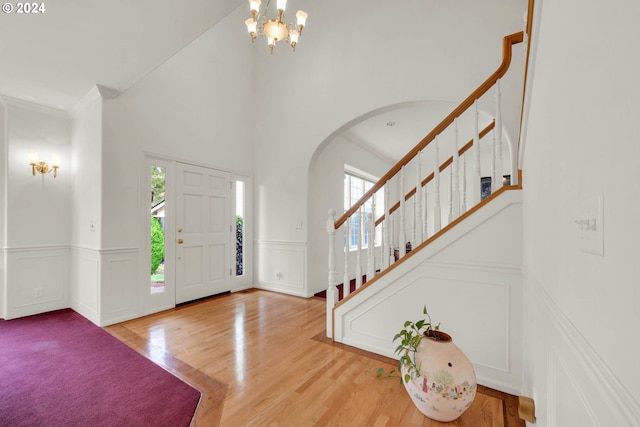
(59, 369)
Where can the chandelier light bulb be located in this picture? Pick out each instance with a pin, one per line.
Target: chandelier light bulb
(251, 28)
(255, 6)
(302, 19)
(281, 5)
(293, 37)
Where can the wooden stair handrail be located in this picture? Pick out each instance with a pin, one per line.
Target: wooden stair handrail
(443, 166)
(507, 42)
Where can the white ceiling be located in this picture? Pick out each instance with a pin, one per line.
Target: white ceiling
(54, 58)
(393, 131)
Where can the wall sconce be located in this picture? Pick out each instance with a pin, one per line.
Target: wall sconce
(43, 167)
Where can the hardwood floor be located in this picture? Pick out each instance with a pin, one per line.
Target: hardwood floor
(261, 359)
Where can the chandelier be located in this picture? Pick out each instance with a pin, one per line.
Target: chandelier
(275, 29)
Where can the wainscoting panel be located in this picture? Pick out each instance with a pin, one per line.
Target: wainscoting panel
(282, 267)
(479, 306)
(85, 283)
(36, 280)
(569, 381)
(119, 285)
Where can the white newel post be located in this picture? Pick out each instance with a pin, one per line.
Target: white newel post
(346, 281)
(402, 240)
(436, 182)
(371, 259)
(498, 131)
(359, 254)
(332, 290)
(476, 194)
(418, 225)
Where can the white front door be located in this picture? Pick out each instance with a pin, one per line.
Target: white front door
(203, 224)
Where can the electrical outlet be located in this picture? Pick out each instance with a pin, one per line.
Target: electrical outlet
(37, 292)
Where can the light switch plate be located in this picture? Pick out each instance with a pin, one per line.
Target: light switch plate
(591, 223)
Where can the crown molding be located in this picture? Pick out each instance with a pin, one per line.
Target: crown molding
(97, 92)
(10, 101)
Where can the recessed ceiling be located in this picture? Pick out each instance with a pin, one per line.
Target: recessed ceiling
(55, 57)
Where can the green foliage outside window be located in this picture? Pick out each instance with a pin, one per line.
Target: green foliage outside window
(239, 253)
(157, 244)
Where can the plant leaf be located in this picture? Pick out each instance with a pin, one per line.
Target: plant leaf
(380, 371)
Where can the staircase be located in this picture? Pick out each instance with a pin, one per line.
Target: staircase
(459, 210)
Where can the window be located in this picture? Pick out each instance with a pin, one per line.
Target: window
(240, 228)
(354, 188)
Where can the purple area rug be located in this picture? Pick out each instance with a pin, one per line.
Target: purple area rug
(59, 369)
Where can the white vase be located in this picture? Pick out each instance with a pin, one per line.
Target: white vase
(447, 383)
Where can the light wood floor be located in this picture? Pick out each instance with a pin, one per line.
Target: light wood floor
(260, 359)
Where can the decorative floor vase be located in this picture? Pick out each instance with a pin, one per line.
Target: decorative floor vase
(447, 384)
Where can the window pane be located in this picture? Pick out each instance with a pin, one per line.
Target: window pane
(354, 188)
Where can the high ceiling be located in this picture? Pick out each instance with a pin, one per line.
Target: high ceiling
(55, 57)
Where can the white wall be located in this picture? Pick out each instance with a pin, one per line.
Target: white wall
(86, 168)
(38, 211)
(581, 141)
(3, 203)
(345, 67)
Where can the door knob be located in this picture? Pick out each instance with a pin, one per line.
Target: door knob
(180, 241)
(179, 230)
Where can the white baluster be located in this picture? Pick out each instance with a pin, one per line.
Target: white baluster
(387, 228)
(524, 30)
(456, 175)
(450, 194)
(332, 290)
(371, 259)
(425, 210)
(402, 240)
(498, 130)
(383, 230)
(418, 224)
(346, 280)
(414, 221)
(392, 257)
(436, 182)
(359, 255)
(476, 195)
(494, 184)
(463, 207)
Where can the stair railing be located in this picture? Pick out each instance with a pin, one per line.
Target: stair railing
(423, 203)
